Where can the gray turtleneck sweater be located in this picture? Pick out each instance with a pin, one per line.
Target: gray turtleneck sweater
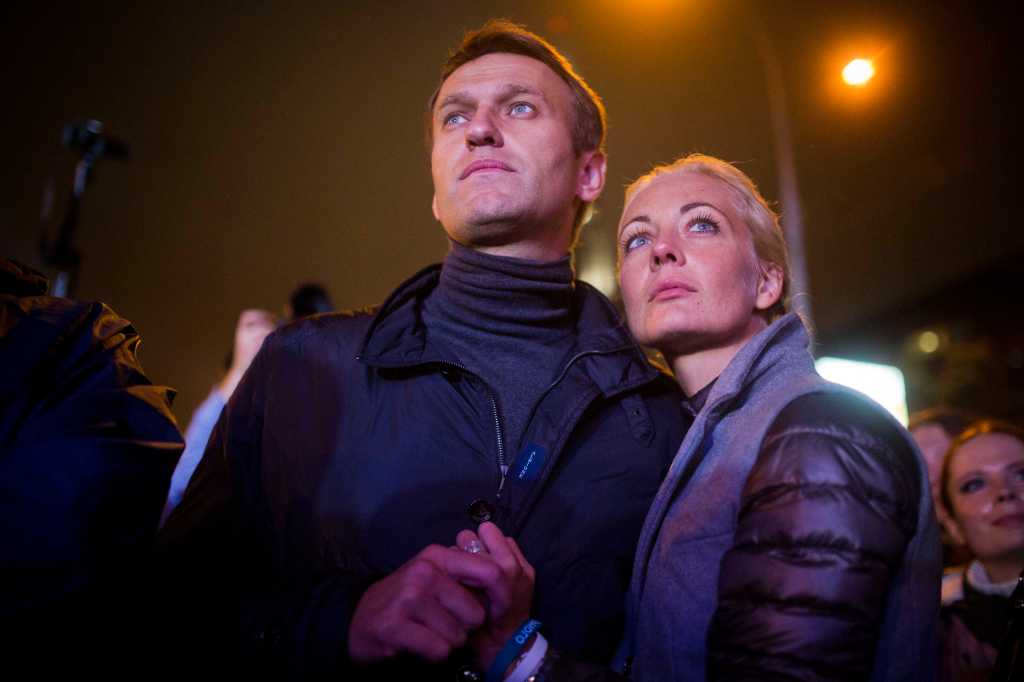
(507, 320)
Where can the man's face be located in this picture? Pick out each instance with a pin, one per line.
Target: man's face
(506, 178)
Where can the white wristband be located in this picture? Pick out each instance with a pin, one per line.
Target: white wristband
(531, 661)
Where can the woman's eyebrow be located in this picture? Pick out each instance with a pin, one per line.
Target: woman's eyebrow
(973, 473)
(635, 219)
(695, 204)
(686, 208)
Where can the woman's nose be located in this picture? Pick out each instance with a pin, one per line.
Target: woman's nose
(1008, 492)
(665, 251)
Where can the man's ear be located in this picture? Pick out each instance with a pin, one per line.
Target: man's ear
(433, 207)
(769, 285)
(591, 177)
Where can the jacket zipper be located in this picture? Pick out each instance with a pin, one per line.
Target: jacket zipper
(565, 370)
(502, 464)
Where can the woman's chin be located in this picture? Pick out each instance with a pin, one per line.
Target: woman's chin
(681, 341)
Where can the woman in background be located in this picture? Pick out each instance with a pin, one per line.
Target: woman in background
(983, 493)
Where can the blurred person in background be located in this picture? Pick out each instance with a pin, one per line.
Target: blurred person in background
(315, 537)
(252, 327)
(87, 447)
(309, 298)
(793, 537)
(934, 430)
(983, 493)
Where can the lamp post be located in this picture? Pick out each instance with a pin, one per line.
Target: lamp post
(785, 161)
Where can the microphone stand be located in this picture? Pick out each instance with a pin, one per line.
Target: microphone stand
(62, 254)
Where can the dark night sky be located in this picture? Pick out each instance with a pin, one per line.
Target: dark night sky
(278, 142)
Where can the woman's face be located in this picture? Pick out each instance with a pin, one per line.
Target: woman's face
(689, 276)
(986, 489)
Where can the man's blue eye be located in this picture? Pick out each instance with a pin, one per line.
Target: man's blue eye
(521, 108)
(451, 119)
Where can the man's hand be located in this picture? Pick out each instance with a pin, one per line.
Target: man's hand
(425, 608)
(509, 595)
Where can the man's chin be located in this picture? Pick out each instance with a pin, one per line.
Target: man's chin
(489, 229)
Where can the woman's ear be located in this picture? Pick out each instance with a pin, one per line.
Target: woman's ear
(951, 527)
(769, 285)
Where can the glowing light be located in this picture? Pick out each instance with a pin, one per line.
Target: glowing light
(599, 271)
(928, 342)
(882, 383)
(858, 72)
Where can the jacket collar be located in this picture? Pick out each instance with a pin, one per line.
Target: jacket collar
(397, 337)
(782, 343)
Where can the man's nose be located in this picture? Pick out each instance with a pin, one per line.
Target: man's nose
(483, 130)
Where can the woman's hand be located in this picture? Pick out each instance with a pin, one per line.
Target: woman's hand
(509, 598)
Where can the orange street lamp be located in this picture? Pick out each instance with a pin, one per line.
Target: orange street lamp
(858, 72)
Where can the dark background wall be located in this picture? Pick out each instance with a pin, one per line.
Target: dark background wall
(279, 142)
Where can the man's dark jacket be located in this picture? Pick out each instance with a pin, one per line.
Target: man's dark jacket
(352, 443)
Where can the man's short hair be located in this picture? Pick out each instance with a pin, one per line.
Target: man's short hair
(502, 36)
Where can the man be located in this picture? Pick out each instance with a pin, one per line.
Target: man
(491, 387)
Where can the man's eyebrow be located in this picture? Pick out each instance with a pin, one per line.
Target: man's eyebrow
(513, 89)
(462, 98)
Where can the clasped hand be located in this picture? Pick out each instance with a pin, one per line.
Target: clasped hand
(476, 593)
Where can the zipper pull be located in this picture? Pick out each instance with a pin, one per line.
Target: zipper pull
(501, 485)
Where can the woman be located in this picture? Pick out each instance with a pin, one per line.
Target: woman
(794, 535)
(983, 494)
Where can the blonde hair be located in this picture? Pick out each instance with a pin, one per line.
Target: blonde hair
(761, 220)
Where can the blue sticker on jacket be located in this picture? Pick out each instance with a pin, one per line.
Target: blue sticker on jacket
(530, 462)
